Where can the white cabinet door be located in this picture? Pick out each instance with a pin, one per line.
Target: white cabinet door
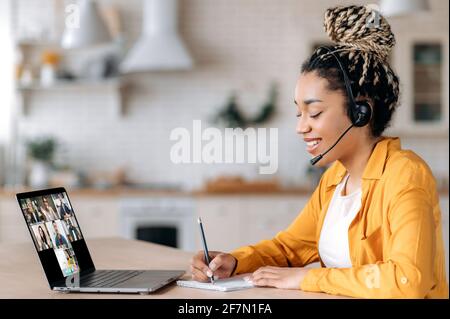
(221, 221)
(234, 221)
(98, 217)
(265, 217)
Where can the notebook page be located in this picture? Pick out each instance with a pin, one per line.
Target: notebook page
(228, 284)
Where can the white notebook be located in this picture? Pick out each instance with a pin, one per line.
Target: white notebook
(228, 284)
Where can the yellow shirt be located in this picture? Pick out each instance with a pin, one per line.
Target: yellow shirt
(395, 240)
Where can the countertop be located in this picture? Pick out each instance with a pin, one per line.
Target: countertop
(139, 192)
(22, 276)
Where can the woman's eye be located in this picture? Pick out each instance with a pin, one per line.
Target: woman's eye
(299, 115)
(316, 115)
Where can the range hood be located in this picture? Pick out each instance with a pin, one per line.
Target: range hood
(159, 47)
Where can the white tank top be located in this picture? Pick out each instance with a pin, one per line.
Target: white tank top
(333, 243)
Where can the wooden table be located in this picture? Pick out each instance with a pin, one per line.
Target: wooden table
(21, 274)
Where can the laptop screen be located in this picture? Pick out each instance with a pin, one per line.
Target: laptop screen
(56, 233)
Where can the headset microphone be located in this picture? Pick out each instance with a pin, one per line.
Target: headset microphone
(319, 157)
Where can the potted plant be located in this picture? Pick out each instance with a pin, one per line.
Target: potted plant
(41, 152)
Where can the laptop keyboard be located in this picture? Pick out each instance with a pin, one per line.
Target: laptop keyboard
(108, 278)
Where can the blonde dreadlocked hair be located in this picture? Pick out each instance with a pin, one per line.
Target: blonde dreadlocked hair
(363, 48)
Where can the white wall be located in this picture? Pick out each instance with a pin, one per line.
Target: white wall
(237, 45)
(6, 83)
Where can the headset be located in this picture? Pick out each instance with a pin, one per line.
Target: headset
(360, 111)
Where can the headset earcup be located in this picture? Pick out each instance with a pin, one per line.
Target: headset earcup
(363, 113)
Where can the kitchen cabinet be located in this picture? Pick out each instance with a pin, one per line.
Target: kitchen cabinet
(97, 216)
(221, 218)
(421, 62)
(233, 221)
(265, 217)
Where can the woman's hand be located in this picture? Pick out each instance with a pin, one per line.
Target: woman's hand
(221, 266)
(279, 277)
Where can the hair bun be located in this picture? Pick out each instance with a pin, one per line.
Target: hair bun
(354, 26)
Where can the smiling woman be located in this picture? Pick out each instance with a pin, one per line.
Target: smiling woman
(374, 221)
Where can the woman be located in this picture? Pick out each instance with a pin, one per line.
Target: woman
(373, 222)
(44, 242)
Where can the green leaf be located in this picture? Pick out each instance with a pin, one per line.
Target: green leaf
(42, 148)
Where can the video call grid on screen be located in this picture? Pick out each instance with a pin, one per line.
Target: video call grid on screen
(52, 225)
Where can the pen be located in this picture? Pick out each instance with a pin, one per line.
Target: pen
(205, 247)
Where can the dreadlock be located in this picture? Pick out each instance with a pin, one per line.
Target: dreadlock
(363, 51)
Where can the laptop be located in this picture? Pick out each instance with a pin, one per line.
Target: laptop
(64, 254)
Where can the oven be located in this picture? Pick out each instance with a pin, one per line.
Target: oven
(163, 220)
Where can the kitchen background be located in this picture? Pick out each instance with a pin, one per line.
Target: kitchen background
(112, 132)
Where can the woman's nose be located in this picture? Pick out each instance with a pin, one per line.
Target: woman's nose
(303, 126)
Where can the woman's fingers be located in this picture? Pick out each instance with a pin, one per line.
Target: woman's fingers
(265, 276)
(224, 263)
(198, 275)
(217, 262)
(221, 265)
(270, 282)
(267, 269)
(198, 262)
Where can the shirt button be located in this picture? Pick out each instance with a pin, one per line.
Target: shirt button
(404, 280)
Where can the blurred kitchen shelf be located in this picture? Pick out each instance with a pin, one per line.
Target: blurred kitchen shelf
(38, 43)
(116, 85)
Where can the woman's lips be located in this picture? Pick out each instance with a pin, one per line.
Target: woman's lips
(311, 146)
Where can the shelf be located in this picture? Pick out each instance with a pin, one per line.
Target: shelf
(116, 85)
(75, 85)
(37, 43)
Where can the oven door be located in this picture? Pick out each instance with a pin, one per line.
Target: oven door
(166, 221)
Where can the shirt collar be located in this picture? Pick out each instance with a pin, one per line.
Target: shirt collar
(376, 164)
